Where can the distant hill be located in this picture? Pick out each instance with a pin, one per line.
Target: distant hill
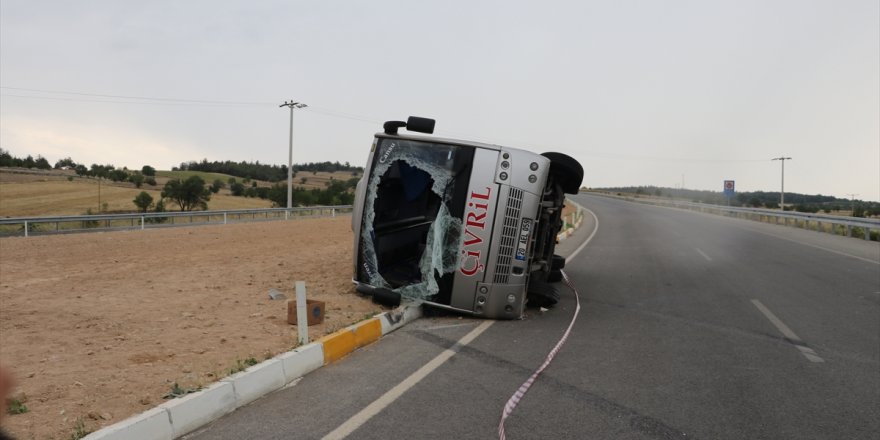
(269, 173)
(758, 199)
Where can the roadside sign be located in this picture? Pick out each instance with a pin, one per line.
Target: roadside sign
(729, 187)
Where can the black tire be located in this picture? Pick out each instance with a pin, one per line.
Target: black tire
(567, 171)
(557, 263)
(542, 294)
(555, 276)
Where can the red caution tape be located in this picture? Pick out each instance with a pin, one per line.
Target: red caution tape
(524, 388)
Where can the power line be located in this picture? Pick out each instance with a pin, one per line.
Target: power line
(120, 99)
(147, 98)
(104, 101)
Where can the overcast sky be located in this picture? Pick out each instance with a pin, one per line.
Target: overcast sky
(640, 92)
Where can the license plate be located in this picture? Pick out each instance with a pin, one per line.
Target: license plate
(524, 231)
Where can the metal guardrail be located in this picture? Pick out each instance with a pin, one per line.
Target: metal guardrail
(28, 226)
(838, 225)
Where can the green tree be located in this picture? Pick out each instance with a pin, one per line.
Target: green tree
(42, 163)
(858, 211)
(188, 194)
(118, 175)
(148, 171)
(217, 186)
(237, 188)
(6, 159)
(66, 162)
(143, 201)
(137, 179)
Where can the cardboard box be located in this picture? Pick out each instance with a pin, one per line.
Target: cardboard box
(314, 311)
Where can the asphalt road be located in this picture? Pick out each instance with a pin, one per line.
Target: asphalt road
(691, 326)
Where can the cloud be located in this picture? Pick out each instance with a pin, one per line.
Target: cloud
(120, 146)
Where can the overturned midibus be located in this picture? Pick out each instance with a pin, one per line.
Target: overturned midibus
(463, 226)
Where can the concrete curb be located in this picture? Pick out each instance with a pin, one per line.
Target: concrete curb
(183, 415)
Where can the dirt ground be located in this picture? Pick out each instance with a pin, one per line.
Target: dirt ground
(98, 326)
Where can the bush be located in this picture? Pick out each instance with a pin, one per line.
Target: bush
(236, 188)
(150, 180)
(137, 179)
(90, 223)
(143, 201)
(217, 186)
(160, 207)
(148, 171)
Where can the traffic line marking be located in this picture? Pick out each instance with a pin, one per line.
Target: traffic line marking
(808, 352)
(393, 394)
(703, 254)
(587, 241)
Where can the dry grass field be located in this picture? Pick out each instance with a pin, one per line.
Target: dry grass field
(64, 193)
(97, 327)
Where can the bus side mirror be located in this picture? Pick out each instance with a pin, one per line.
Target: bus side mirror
(421, 125)
(414, 123)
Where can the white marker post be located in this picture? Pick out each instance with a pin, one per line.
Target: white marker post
(302, 319)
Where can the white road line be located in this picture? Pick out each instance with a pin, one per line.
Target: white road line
(587, 241)
(808, 352)
(386, 399)
(441, 327)
(703, 254)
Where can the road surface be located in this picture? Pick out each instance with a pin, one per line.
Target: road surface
(692, 326)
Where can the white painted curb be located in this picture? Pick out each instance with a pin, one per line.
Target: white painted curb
(301, 361)
(194, 410)
(183, 415)
(151, 425)
(257, 381)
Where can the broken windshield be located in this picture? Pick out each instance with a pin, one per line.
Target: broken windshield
(413, 207)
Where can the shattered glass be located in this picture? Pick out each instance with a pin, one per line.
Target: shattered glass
(415, 166)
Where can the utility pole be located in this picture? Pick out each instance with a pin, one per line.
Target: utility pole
(292, 106)
(782, 193)
(852, 204)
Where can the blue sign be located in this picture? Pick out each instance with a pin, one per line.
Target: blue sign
(729, 187)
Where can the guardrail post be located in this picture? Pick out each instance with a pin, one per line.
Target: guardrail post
(25, 228)
(867, 233)
(333, 213)
(143, 222)
(848, 231)
(224, 218)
